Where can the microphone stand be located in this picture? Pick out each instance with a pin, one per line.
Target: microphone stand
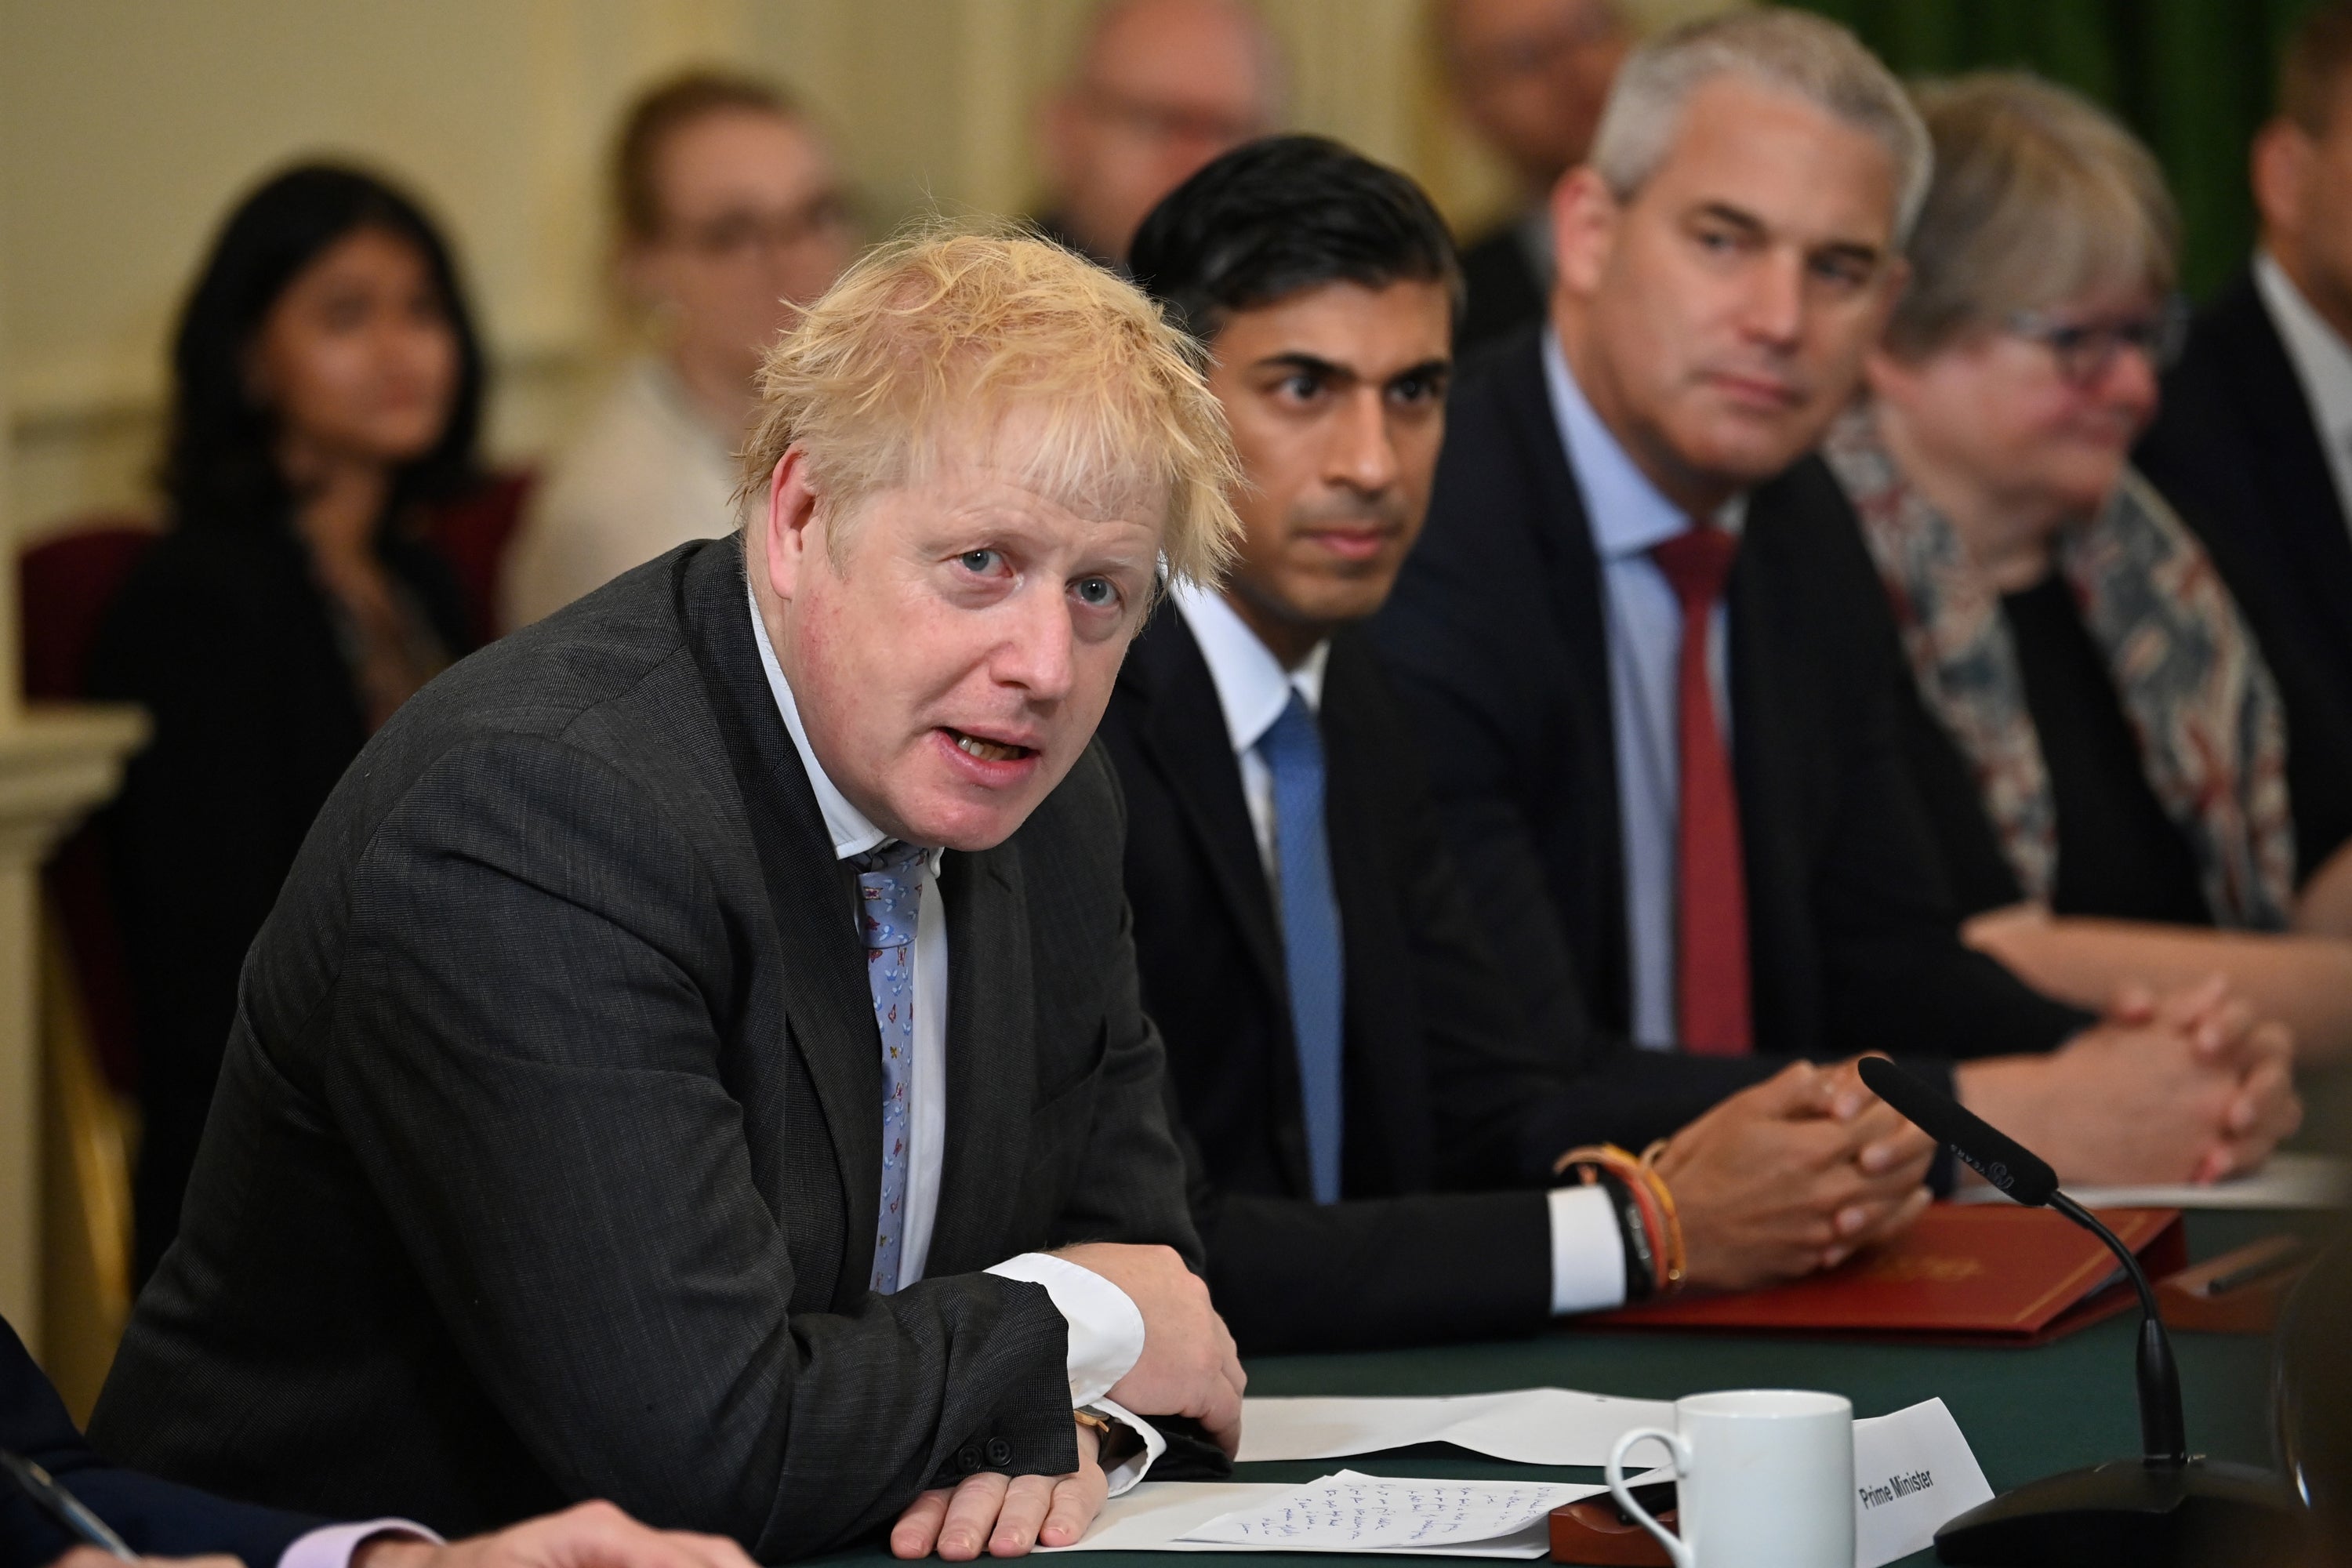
(2167, 1507)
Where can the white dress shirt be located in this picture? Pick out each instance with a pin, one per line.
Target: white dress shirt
(1588, 1256)
(646, 473)
(2323, 363)
(1105, 1331)
(1629, 516)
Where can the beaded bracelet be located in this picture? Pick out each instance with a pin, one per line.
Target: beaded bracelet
(1663, 1230)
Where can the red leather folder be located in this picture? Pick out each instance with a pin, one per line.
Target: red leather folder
(1977, 1274)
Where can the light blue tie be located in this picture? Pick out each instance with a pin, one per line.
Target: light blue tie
(1311, 955)
(890, 890)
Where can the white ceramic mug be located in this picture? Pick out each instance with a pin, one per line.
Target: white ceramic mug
(1764, 1479)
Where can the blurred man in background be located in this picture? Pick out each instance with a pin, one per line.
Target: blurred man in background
(1531, 77)
(1158, 87)
(731, 216)
(2253, 441)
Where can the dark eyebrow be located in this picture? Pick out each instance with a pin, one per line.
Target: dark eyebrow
(1427, 369)
(1312, 365)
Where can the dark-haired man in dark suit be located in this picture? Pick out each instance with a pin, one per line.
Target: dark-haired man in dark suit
(2253, 441)
(1374, 1123)
(1652, 663)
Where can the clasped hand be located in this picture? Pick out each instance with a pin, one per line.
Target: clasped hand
(1792, 1174)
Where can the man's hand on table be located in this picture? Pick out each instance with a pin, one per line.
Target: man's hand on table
(1007, 1514)
(1189, 1365)
(2186, 1088)
(590, 1535)
(1792, 1174)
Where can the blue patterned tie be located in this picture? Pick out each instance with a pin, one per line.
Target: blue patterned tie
(1311, 955)
(890, 888)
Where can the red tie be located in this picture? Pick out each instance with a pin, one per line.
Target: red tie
(1710, 886)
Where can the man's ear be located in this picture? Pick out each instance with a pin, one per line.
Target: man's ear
(2279, 168)
(790, 530)
(1584, 214)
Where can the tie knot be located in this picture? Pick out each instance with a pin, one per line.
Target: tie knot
(1697, 563)
(1292, 737)
(890, 890)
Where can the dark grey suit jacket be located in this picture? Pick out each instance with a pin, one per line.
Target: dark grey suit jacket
(546, 1156)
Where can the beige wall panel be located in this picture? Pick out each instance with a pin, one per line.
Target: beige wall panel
(127, 127)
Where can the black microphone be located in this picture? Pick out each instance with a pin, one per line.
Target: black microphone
(2027, 1177)
(2166, 1508)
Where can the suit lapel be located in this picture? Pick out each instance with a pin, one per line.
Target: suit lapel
(2308, 512)
(991, 1068)
(1584, 615)
(828, 1008)
(1184, 733)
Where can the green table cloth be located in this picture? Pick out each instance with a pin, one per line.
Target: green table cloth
(2026, 1412)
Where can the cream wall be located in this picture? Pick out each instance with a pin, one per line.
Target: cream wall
(128, 126)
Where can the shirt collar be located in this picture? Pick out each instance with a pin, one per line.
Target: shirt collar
(851, 831)
(1252, 686)
(1627, 514)
(2323, 361)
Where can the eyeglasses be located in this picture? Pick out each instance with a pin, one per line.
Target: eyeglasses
(2086, 351)
(736, 236)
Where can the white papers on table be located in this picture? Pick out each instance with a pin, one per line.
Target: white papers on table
(1352, 1512)
(2289, 1181)
(1913, 1474)
(1527, 1426)
(1165, 1516)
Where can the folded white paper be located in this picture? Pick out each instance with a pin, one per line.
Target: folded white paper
(1527, 1426)
(1913, 1474)
(1160, 1516)
(2290, 1181)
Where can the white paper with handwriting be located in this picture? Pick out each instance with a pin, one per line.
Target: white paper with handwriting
(1353, 1512)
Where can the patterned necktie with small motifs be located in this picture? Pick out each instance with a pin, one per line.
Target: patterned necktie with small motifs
(891, 899)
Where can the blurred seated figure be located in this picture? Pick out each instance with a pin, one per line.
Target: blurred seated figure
(326, 388)
(1531, 77)
(730, 217)
(2092, 728)
(2254, 442)
(1158, 89)
(160, 1519)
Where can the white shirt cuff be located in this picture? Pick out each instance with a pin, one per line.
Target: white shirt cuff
(1588, 1251)
(1132, 1468)
(332, 1546)
(1106, 1328)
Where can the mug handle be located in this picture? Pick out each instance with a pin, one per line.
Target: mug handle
(1676, 1547)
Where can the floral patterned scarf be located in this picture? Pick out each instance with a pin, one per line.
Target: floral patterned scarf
(2192, 684)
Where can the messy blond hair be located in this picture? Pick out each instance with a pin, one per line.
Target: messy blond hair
(931, 340)
(2039, 196)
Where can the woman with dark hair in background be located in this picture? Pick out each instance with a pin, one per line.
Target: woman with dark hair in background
(326, 386)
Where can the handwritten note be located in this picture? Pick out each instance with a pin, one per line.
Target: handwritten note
(1354, 1513)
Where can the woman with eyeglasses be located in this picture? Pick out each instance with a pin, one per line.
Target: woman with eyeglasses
(2097, 739)
(730, 217)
